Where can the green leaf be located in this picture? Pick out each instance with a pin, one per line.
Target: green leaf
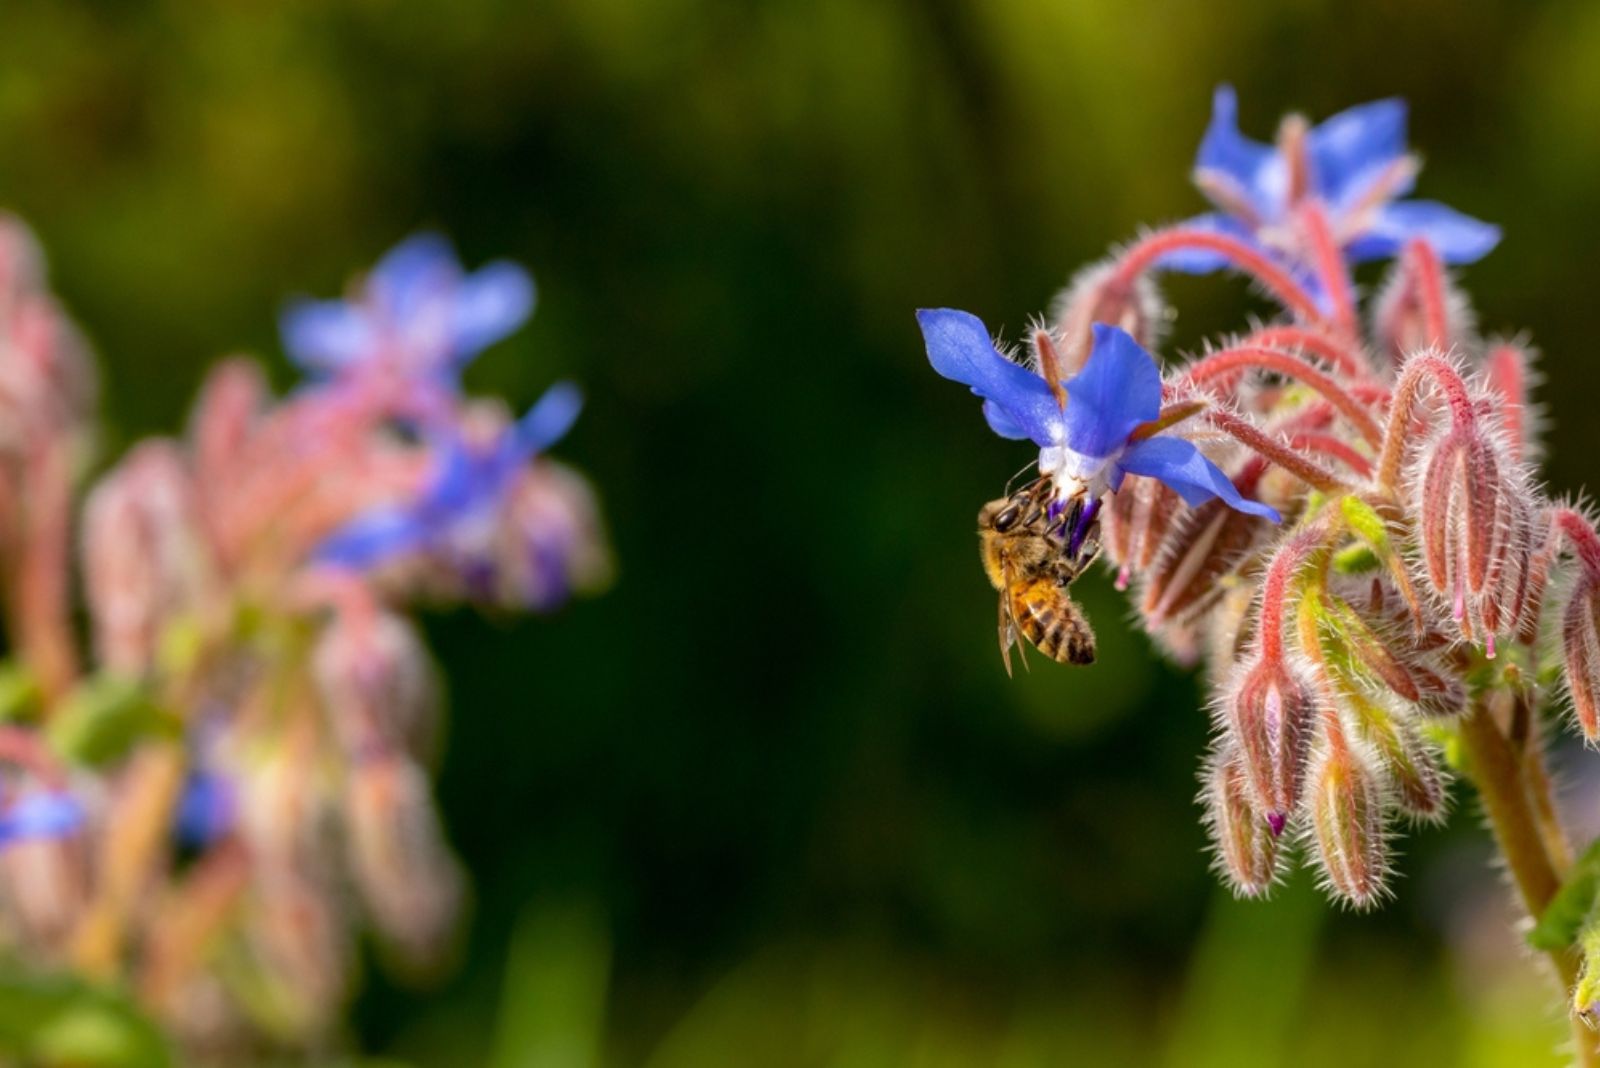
(19, 692)
(1564, 917)
(104, 717)
(552, 1012)
(61, 1022)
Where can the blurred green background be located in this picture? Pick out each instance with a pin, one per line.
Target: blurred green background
(772, 799)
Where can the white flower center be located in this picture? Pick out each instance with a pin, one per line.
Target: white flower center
(1074, 474)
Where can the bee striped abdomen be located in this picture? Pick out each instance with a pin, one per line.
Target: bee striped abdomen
(1052, 621)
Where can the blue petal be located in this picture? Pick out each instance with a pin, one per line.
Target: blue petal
(1118, 388)
(959, 349)
(490, 303)
(40, 815)
(1234, 158)
(548, 421)
(1457, 238)
(373, 537)
(412, 269)
(326, 335)
(206, 809)
(1001, 423)
(1182, 467)
(1354, 146)
(1200, 260)
(460, 479)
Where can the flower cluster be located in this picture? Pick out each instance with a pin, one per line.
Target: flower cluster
(186, 808)
(1335, 509)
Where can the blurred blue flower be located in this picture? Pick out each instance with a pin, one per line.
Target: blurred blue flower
(207, 809)
(1089, 446)
(42, 814)
(417, 315)
(1356, 164)
(468, 484)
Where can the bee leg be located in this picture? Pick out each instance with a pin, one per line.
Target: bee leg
(1085, 522)
(1074, 566)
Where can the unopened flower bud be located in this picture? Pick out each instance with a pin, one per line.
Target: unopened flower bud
(1347, 832)
(1580, 649)
(377, 684)
(1270, 712)
(1400, 317)
(300, 949)
(1246, 845)
(410, 882)
(1475, 516)
(225, 417)
(1136, 522)
(1508, 368)
(47, 380)
(551, 542)
(1204, 546)
(1412, 765)
(1096, 295)
(44, 864)
(146, 558)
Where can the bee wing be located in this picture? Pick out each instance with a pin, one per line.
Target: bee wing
(1008, 627)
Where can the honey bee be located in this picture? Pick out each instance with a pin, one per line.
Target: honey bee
(1025, 553)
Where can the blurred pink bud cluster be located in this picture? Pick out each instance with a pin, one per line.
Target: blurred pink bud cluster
(208, 793)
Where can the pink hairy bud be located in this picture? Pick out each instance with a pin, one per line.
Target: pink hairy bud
(1097, 294)
(1270, 713)
(1136, 522)
(225, 416)
(1246, 844)
(299, 942)
(377, 684)
(408, 879)
(1347, 831)
(1418, 307)
(46, 887)
(551, 542)
(1508, 367)
(1580, 649)
(1475, 519)
(1202, 547)
(146, 556)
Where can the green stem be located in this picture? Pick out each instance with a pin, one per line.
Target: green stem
(1510, 803)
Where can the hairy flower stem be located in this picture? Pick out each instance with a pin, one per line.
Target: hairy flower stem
(1331, 268)
(1581, 536)
(1428, 273)
(128, 859)
(1265, 445)
(1247, 358)
(1508, 790)
(1343, 357)
(1143, 255)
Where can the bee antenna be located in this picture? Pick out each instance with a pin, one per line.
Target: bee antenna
(1012, 480)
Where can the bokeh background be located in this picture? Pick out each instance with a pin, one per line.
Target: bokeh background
(772, 800)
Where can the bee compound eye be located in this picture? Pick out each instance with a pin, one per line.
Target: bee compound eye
(1006, 519)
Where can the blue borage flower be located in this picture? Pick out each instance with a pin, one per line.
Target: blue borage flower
(207, 809)
(418, 314)
(1093, 443)
(41, 814)
(468, 484)
(1355, 164)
